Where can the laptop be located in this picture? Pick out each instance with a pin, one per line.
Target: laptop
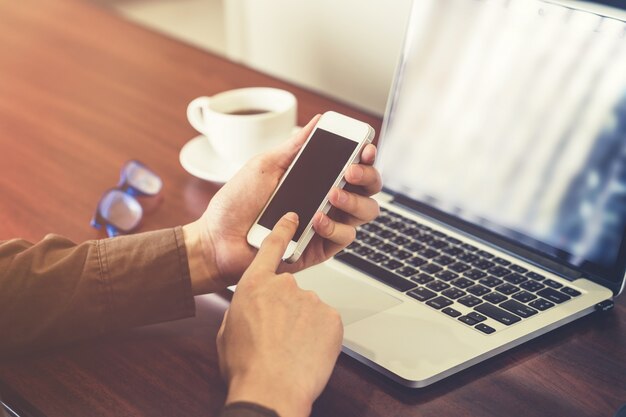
(503, 213)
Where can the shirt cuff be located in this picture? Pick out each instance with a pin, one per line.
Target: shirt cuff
(145, 278)
(246, 409)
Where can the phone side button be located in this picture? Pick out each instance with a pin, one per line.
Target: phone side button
(380, 274)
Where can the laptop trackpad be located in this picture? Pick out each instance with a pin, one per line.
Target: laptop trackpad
(353, 299)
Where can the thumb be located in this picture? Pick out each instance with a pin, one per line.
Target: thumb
(287, 151)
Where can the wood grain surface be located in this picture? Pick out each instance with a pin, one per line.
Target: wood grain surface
(81, 92)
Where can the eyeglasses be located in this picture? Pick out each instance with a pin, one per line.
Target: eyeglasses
(118, 210)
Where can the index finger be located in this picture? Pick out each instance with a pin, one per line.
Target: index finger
(273, 248)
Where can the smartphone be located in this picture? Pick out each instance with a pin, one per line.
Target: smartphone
(334, 144)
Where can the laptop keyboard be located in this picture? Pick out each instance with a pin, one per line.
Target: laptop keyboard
(446, 273)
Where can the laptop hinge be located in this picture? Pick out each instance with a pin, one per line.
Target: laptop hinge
(484, 236)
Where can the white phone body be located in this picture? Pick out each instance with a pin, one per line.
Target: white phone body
(335, 143)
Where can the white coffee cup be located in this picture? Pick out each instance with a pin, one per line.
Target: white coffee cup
(245, 122)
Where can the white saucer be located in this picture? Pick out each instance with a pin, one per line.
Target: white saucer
(200, 160)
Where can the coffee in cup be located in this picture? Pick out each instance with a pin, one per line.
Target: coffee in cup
(242, 123)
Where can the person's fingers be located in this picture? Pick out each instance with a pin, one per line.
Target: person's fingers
(274, 245)
(338, 233)
(368, 155)
(363, 209)
(365, 176)
(289, 149)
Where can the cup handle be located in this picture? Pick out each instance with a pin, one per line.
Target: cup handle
(195, 113)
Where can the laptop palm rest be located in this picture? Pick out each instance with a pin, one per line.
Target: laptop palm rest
(353, 299)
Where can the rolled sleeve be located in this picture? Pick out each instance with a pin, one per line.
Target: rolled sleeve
(55, 291)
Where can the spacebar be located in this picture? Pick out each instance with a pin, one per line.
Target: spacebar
(381, 274)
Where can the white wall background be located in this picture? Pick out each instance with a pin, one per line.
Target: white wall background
(346, 49)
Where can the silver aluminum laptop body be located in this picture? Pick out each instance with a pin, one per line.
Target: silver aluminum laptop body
(505, 132)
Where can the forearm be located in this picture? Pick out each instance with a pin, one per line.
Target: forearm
(55, 291)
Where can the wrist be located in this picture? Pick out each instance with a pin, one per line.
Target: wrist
(201, 260)
(286, 401)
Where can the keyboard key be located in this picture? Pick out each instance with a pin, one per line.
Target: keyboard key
(364, 251)
(446, 275)
(498, 271)
(422, 294)
(372, 241)
(371, 227)
(541, 304)
(386, 234)
(406, 271)
(532, 286)
(412, 231)
(467, 257)
(497, 314)
(400, 240)
(459, 267)
(552, 283)
(414, 247)
(377, 257)
(570, 291)
(462, 282)
(518, 269)
(416, 261)
(484, 328)
(469, 247)
(453, 293)
(507, 289)
(401, 254)
(490, 281)
(515, 278)
(495, 297)
(535, 276)
(392, 264)
(501, 261)
(451, 312)
(444, 260)
(478, 290)
(474, 274)
(437, 244)
(485, 254)
(470, 301)
(452, 250)
(518, 308)
(437, 286)
(553, 295)
(397, 225)
(376, 272)
(478, 317)
(422, 278)
(453, 240)
(439, 302)
(428, 253)
(424, 237)
(388, 248)
(431, 268)
(467, 320)
(524, 296)
(482, 264)
(354, 245)
(438, 233)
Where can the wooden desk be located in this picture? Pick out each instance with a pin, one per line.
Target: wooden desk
(82, 91)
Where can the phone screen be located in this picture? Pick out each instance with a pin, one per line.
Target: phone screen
(310, 179)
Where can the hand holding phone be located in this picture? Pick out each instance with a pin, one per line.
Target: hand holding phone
(334, 144)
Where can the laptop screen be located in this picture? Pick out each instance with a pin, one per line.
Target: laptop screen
(511, 115)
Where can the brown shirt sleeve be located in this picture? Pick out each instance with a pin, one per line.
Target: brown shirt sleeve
(55, 291)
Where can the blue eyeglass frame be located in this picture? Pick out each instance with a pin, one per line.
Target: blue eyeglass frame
(118, 209)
